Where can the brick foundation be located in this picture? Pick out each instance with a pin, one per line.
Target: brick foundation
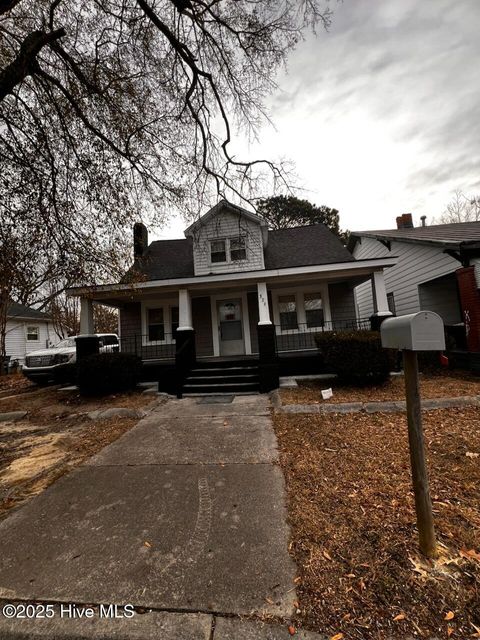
(470, 305)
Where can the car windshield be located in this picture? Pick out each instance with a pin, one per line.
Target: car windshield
(68, 342)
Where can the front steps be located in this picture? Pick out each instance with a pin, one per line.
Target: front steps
(222, 378)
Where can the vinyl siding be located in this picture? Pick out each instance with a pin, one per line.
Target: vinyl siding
(17, 345)
(227, 225)
(416, 264)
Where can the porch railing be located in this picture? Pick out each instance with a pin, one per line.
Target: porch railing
(148, 349)
(301, 336)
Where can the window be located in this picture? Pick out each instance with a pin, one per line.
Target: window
(313, 310)
(33, 334)
(237, 249)
(391, 303)
(174, 320)
(155, 324)
(218, 251)
(287, 309)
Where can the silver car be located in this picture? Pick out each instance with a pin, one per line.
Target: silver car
(48, 364)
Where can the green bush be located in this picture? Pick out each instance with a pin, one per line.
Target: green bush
(357, 357)
(105, 373)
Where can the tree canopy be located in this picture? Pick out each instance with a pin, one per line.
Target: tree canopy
(282, 212)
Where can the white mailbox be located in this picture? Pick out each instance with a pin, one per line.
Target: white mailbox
(422, 331)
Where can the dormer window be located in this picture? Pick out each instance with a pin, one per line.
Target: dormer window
(237, 249)
(228, 250)
(218, 251)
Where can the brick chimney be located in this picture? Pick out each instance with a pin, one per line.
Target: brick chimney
(140, 240)
(405, 221)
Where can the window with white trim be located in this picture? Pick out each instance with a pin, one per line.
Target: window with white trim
(287, 311)
(156, 324)
(313, 310)
(33, 334)
(218, 251)
(238, 249)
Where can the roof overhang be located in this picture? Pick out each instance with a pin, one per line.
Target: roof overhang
(451, 245)
(353, 269)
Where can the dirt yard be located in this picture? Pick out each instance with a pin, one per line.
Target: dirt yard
(432, 386)
(352, 517)
(55, 435)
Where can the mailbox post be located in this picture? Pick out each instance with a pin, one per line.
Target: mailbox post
(421, 331)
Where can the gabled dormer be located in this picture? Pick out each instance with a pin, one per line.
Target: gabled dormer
(228, 239)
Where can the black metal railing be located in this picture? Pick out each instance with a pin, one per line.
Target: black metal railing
(301, 336)
(148, 349)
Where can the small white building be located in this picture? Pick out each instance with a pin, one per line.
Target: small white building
(27, 330)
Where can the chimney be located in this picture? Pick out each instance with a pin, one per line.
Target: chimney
(423, 218)
(140, 240)
(405, 221)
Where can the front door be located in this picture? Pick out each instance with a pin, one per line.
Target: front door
(230, 328)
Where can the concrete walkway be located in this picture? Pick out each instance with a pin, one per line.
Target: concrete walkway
(184, 514)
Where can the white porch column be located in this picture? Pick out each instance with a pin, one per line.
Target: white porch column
(380, 302)
(263, 310)
(86, 316)
(185, 322)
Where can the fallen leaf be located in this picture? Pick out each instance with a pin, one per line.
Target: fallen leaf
(470, 454)
(350, 575)
(401, 616)
(470, 554)
(269, 600)
(449, 630)
(337, 636)
(477, 631)
(291, 630)
(297, 579)
(147, 544)
(449, 616)
(326, 554)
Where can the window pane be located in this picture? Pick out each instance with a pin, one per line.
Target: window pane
(313, 309)
(156, 328)
(33, 333)
(237, 249)
(287, 307)
(218, 253)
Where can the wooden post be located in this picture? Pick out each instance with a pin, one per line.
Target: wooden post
(423, 505)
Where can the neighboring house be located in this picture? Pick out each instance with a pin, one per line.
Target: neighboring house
(437, 269)
(27, 330)
(235, 289)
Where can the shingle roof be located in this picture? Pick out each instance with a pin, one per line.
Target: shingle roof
(20, 311)
(454, 234)
(303, 246)
(296, 247)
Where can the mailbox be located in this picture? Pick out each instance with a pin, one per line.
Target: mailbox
(422, 331)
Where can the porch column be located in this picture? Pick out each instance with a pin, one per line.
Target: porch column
(380, 302)
(86, 316)
(268, 369)
(185, 353)
(185, 322)
(263, 309)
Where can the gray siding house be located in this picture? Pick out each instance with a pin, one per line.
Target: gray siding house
(229, 283)
(437, 268)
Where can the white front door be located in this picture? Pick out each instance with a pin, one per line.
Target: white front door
(230, 327)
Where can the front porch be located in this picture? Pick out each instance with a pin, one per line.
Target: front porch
(271, 323)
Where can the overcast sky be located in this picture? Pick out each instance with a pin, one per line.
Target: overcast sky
(381, 115)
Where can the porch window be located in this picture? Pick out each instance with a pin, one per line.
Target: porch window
(237, 249)
(218, 252)
(174, 320)
(313, 310)
(33, 334)
(287, 310)
(155, 324)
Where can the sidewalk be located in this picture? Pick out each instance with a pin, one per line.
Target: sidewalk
(183, 514)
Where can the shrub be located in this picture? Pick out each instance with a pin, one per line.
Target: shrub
(104, 373)
(357, 357)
